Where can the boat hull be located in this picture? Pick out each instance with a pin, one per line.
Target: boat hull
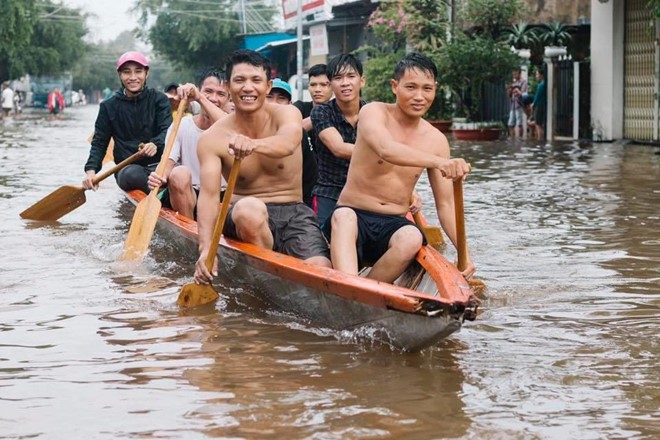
(324, 297)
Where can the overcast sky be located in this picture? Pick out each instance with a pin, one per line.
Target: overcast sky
(112, 17)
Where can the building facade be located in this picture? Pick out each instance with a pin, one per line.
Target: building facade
(625, 71)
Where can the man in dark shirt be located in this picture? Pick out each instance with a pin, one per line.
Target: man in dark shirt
(320, 91)
(132, 116)
(335, 127)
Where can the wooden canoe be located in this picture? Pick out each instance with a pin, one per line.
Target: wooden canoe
(436, 304)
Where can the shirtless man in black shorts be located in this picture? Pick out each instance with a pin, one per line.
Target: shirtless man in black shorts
(393, 146)
(267, 207)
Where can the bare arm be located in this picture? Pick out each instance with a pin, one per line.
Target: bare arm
(208, 150)
(373, 131)
(443, 195)
(190, 91)
(307, 124)
(335, 143)
(285, 142)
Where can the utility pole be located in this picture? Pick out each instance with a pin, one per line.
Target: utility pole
(299, 51)
(243, 17)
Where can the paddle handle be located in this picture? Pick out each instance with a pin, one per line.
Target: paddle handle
(117, 167)
(170, 140)
(461, 237)
(224, 210)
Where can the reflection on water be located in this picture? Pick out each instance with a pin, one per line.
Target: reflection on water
(566, 236)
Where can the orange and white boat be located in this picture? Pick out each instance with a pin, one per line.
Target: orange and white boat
(427, 303)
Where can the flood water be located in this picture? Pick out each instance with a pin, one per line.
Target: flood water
(567, 237)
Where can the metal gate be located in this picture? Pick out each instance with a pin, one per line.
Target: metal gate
(641, 62)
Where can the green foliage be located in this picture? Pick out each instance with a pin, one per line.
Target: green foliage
(389, 24)
(467, 63)
(492, 17)
(556, 34)
(428, 22)
(56, 43)
(422, 24)
(16, 21)
(654, 5)
(378, 71)
(96, 69)
(192, 35)
(39, 37)
(522, 36)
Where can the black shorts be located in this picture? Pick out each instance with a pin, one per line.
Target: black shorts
(294, 228)
(374, 233)
(539, 115)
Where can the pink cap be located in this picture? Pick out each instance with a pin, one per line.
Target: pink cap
(134, 56)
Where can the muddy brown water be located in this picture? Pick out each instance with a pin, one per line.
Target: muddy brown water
(566, 236)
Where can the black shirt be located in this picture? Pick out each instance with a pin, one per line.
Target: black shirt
(310, 168)
(130, 121)
(332, 169)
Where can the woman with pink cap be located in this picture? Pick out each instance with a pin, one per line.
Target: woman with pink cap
(133, 115)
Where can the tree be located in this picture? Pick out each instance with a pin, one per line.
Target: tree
(193, 35)
(39, 37)
(17, 18)
(467, 63)
(491, 17)
(56, 43)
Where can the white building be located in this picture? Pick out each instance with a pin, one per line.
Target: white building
(625, 70)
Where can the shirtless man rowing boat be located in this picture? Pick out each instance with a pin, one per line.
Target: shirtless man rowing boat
(393, 146)
(267, 202)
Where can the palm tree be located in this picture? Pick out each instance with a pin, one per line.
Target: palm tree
(522, 36)
(556, 34)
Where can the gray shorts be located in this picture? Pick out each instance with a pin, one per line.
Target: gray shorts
(294, 228)
(516, 117)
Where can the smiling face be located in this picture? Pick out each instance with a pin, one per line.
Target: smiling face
(248, 86)
(133, 77)
(346, 84)
(215, 91)
(415, 92)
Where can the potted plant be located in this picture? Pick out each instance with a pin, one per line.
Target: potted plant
(398, 27)
(442, 110)
(476, 57)
(465, 65)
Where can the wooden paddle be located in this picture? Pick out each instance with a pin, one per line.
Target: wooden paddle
(109, 152)
(477, 285)
(146, 213)
(432, 234)
(193, 294)
(67, 198)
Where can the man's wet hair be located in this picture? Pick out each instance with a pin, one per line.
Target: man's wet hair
(317, 70)
(415, 61)
(247, 56)
(210, 72)
(342, 62)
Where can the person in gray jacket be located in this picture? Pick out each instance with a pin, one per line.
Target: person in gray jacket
(132, 116)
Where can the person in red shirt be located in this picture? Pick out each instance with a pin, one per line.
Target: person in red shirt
(55, 103)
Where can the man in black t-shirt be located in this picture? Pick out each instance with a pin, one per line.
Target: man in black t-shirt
(320, 91)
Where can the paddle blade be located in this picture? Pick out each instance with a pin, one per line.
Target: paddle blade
(434, 237)
(478, 287)
(56, 204)
(193, 295)
(142, 228)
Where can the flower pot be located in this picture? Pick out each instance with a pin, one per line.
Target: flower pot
(443, 126)
(476, 134)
